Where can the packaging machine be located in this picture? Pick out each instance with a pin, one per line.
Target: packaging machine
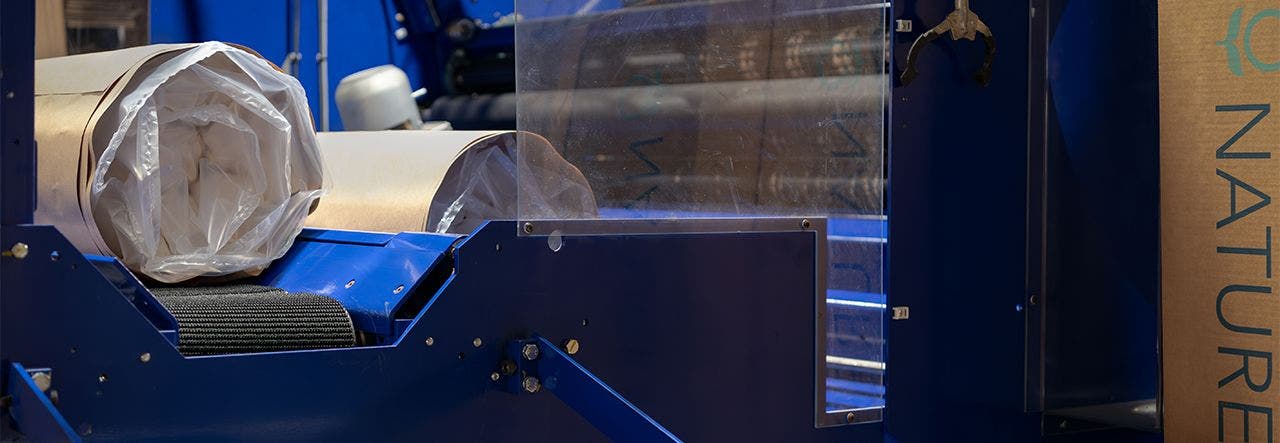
(792, 245)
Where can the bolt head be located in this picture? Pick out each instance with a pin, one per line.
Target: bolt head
(477, 342)
(43, 380)
(571, 346)
(430, 341)
(531, 385)
(508, 367)
(528, 228)
(494, 376)
(848, 418)
(19, 250)
(530, 351)
(145, 357)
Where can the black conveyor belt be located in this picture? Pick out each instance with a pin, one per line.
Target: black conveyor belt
(238, 319)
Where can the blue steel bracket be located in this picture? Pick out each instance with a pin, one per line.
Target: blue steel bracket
(536, 364)
(33, 411)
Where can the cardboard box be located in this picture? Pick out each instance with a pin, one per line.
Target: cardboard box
(1220, 167)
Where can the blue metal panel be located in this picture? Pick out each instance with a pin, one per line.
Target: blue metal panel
(711, 337)
(959, 150)
(371, 280)
(17, 109)
(956, 252)
(1103, 205)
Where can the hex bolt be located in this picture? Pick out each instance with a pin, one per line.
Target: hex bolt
(531, 385)
(571, 346)
(43, 380)
(530, 351)
(145, 357)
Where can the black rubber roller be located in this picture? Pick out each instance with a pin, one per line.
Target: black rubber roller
(240, 319)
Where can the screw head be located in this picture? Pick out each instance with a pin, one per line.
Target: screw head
(508, 367)
(351, 283)
(102, 378)
(19, 250)
(531, 385)
(494, 376)
(528, 228)
(430, 341)
(43, 380)
(398, 289)
(571, 346)
(849, 417)
(477, 342)
(530, 351)
(805, 224)
(145, 357)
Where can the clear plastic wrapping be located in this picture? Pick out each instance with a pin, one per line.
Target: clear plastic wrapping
(211, 165)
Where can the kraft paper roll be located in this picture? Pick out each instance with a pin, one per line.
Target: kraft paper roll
(182, 160)
(444, 181)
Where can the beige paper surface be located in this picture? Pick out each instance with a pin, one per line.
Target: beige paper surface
(70, 96)
(385, 180)
(389, 181)
(1220, 304)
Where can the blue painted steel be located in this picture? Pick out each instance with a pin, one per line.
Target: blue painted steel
(683, 325)
(592, 398)
(31, 409)
(1102, 212)
(371, 274)
(133, 291)
(959, 150)
(17, 110)
(957, 206)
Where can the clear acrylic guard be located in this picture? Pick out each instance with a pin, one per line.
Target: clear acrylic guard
(727, 109)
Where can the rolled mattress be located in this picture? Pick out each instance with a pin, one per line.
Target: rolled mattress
(182, 160)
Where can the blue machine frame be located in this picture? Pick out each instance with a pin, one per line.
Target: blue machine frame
(707, 336)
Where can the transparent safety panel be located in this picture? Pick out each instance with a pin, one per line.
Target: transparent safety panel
(676, 109)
